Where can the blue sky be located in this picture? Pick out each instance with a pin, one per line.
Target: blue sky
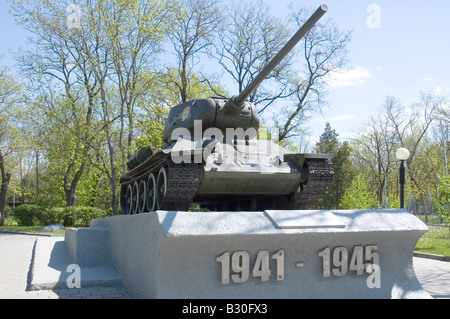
(405, 50)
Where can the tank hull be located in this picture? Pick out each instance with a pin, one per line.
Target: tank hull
(255, 176)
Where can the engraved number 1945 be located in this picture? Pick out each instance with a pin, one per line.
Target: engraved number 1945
(362, 258)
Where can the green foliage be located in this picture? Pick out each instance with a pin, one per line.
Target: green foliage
(442, 202)
(8, 211)
(328, 142)
(342, 166)
(30, 215)
(263, 133)
(11, 222)
(80, 216)
(394, 201)
(34, 215)
(152, 137)
(286, 143)
(357, 196)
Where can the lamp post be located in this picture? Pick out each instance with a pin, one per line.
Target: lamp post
(402, 155)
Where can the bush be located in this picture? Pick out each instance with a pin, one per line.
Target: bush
(86, 214)
(48, 216)
(11, 221)
(81, 216)
(34, 215)
(29, 215)
(8, 212)
(68, 216)
(442, 202)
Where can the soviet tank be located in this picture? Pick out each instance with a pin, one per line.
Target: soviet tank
(212, 157)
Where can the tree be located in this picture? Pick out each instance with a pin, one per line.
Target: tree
(342, 166)
(57, 65)
(99, 61)
(395, 126)
(324, 50)
(134, 32)
(358, 196)
(130, 34)
(9, 91)
(297, 87)
(195, 29)
(442, 202)
(250, 38)
(411, 128)
(373, 154)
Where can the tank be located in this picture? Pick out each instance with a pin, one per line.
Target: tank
(212, 157)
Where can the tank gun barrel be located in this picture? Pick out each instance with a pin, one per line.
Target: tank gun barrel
(308, 25)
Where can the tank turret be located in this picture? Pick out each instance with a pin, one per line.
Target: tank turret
(234, 171)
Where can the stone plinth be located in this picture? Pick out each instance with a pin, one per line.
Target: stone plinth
(272, 254)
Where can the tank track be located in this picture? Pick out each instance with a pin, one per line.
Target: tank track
(320, 176)
(183, 183)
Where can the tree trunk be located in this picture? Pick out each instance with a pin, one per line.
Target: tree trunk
(4, 197)
(6, 177)
(114, 199)
(36, 152)
(71, 197)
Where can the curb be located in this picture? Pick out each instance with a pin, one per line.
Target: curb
(28, 233)
(431, 256)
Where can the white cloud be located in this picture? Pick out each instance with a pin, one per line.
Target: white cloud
(442, 90)
(427, 79)
(348, 78)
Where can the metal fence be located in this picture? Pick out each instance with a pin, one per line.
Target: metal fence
(425, 211)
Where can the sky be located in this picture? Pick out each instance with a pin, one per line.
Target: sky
(398, 48)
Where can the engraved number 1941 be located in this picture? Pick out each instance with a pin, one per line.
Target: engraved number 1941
(239, 264)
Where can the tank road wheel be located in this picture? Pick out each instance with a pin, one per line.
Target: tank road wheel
(141, 197)
(134, 198)
(128, 200)
(151, 193)
(161, 188)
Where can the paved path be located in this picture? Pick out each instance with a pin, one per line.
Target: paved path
(16, 254)
(434, 276)
(15, 259)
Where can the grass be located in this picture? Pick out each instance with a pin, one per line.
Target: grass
(435, 241)
(31, 229)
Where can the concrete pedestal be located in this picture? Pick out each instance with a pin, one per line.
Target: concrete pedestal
(271, 254)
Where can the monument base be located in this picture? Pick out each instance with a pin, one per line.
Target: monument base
(267, 255)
